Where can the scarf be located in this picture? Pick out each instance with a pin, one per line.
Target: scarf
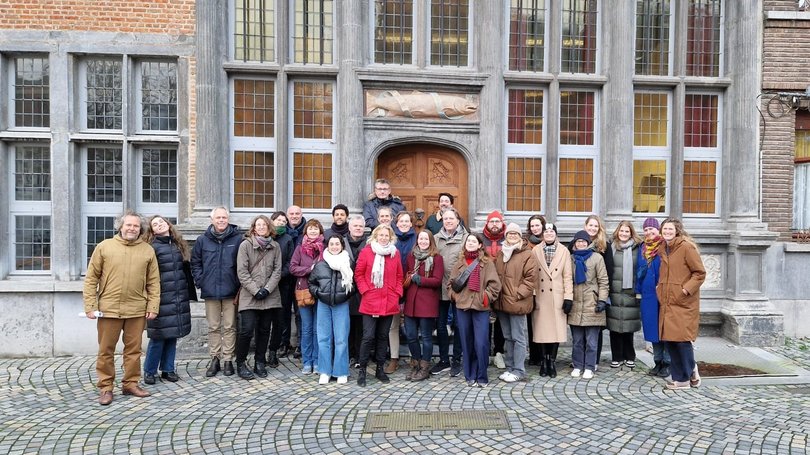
(421, 256)
(627, 261)
(378, 269)
(312, 247)
(474, 282)
(550, 250)
(535, 240)
(580, 256)
(650, 248)
(341, 229)
(508, 249)
(264, 242)
(281, 230)
(340, 263)
(494, 238)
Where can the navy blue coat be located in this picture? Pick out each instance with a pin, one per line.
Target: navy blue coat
(174, 318)
(646, 281)
(213, 263)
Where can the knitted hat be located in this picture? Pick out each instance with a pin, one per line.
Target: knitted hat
(581, 235)
(651, 222)
(495, 214)
(512, 227)
(551, 227)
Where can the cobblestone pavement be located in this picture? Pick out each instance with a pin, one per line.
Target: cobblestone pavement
(796, 349)
(49, 406)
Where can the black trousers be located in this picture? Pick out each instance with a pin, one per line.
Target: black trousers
(498, 340)
(355, 336)
(251, 321)
(375, 333)
(535, 352)
(549, 349)
(621, 346)
(286, 288)
(277, 328)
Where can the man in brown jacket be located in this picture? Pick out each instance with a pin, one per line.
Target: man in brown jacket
(122, 290)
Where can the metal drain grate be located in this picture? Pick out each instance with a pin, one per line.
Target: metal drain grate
(377, 422)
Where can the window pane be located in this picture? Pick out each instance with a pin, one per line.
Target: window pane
(104, 94)
(802, 145)
(801, 197)
(32, 105)
(527, 27)
(576, 185)
(576, 118)
(159, 179)
(159, 96)
(650, 119)
(104, 174)
(99, 228)
(524, 184)
(393, 31)
(312, 111)
(700, 115)
(253, 179)
(254, 30)
(525, 116)
(312, 31)
(579, 36)
(32, 173)
(254, 108)
(312, 180)
(703, 38)
(652, 37)
(449, 32)
(649, 186)
(699, 186)
(32, 242)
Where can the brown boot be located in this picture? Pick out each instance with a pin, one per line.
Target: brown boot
(392, 366)
(135, 391)
(424, 371)
(414, 370)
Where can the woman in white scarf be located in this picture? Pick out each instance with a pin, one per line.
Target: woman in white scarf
(332, 283)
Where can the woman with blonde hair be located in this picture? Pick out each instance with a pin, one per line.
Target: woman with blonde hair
(624, 312)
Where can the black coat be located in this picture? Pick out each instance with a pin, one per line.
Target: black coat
(174, 318)
(326, 285)
(213, 263)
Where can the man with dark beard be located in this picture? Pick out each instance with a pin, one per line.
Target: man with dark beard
(340, 216)
(493, 240)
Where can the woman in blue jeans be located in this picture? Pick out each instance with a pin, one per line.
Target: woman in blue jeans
(176, 288)
(331, 283)
(303, 261)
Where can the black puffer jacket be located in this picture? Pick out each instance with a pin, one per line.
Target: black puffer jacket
(174, 318)
(326, 285)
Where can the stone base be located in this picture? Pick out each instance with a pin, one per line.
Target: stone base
(754, 329)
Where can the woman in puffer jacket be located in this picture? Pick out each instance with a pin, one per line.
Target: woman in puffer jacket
(624, 311)
(176, 289)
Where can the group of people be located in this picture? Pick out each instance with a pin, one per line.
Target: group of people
(351, 291)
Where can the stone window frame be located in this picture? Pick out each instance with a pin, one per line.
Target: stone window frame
(415, 37)
(138, 76)
(546, 9)
(234, 26)
(646, 152)
(710, 154)
(12, 62)
(26, 208)
(527, 151)
(639, 54)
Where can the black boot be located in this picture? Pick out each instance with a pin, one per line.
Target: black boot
(361, 376)
(380, 375)
(664, 371)
(551, 366)
(544, 366)
(244, 371)
(260, 369)
(228, 369)
(213, 368)
(654, 371)
(272, 360)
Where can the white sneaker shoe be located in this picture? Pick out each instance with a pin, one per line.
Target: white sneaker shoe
(575, 373)
(343, 379)
(324, 379)
(502, 377)
(588, 374)
(509, 377)
(499, 363)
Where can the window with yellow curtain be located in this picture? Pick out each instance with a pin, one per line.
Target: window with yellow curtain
(651, 152)
(801, 177)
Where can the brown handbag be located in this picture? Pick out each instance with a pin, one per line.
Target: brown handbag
(302, 296)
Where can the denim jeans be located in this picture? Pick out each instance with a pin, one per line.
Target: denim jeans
(309, 335)
(415, 326)
(447, 315)
(660, 353)
(682, 354)
(585, 340)
(333, 330)
(473, 328)
(513, 327)
(160, 353)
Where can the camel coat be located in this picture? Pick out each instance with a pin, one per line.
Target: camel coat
(555, 283)
(681, 268)
(518, 276)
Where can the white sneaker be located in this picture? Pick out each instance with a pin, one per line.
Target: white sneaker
(324, 379)
(575, 373)
(343, 379)
(509, 377)
(588, 374)
(502, 377)
(499, 363)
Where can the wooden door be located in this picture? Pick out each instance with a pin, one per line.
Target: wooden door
(419, 172)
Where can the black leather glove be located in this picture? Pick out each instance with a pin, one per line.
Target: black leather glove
(416, 279)
(262, 294)
(600, 306)
(567, 306)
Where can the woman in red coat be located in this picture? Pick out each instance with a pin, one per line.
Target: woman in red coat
(426, 269)
(379, 280)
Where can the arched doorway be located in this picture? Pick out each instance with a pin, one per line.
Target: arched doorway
(419, 172)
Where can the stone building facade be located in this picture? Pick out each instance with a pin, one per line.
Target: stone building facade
(565, 108)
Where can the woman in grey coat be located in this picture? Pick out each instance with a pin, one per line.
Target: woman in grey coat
(624, 311)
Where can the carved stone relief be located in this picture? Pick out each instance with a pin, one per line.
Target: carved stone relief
(421, 105)
(714, 269)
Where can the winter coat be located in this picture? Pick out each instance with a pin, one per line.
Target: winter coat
(518, 279)
(422, 300)
(255, 275)
(596, 287)
(449, 249)
(297, 232)
(174, 319)
(490, 287)
(301, 266)
(681, 268)
(555, 283)
(287, 245)
(606, 257)
(405, 243)
(646, 282)
(213, 263)
(385, 300)
(123, 279)
(354, 253)
(434, 225)
(624, 312)
(371, 206)
(326, 285)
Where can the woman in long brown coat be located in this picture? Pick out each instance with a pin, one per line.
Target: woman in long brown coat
(678, 291)
(554, 293)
